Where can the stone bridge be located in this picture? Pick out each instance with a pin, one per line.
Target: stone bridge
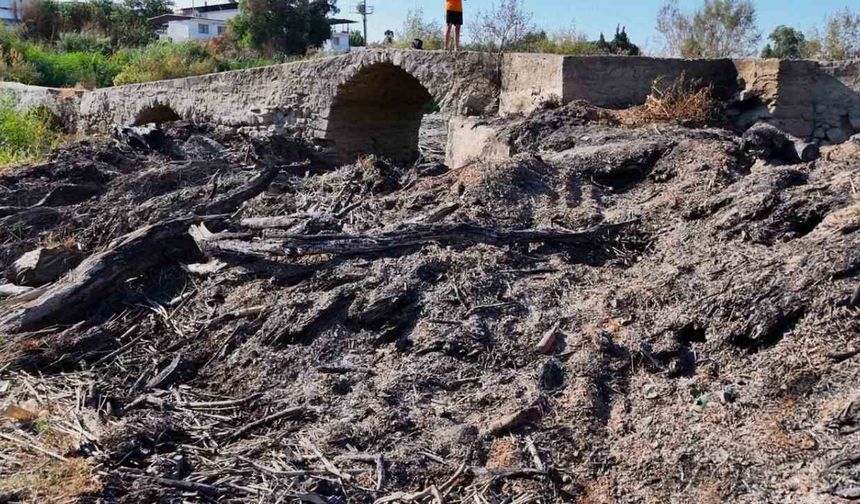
(372, 101)
(364, 102)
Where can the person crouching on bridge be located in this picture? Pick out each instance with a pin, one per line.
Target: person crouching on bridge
(454, 19)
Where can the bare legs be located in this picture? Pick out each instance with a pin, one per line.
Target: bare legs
(456, 37)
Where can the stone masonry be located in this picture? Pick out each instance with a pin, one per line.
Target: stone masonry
(372, 101)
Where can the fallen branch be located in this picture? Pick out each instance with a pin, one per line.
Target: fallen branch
(219, 404)
(289, 413)
(33, 446)
(11, 290)
(530, 414)
(124, 258)
(188, 486)
(413, 235)
(33, 216)
(438, 492)
(231, 202)
(370, 458)
(329, 466)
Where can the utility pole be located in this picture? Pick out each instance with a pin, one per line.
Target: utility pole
(364, 19)
(364, 10)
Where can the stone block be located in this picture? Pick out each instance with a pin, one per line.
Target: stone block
(837, 135)
(471, 140)
(854, 119)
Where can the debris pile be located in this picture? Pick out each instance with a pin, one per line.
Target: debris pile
(615, 315)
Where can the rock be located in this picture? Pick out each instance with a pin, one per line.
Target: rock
(820, 133)
(807, 151)
(837, 135)
(201, 147)
(768, 142)
(147, 137)
(854, 119)
(43, 266)
(551, 375)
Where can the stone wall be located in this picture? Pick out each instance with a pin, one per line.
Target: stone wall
(836, 101)
(64, 103)
(299, 96)
(371, 101)
(622, 81)
(809, 99)
(530, 81)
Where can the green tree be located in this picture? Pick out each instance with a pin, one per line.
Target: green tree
(840, 39)
(416, 27)
(503, 27)
(40, 19)
(356, 39)
(283, 26)
(719, 29)
(785, 43)
(621, 44)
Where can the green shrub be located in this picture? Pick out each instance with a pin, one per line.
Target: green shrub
(167, 60)
(13, 67)
(82, 42)
(82, 69)
(26, 135)
(79, 60)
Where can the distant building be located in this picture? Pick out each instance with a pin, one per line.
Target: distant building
(339, 41)
(210, 21)
(178, 27)
(10, 11)
(222, 11)
(194, 23)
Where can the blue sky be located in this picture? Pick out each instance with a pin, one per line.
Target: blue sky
(594, 16)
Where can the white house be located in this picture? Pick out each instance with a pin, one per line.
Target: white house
(208, 21)
(339, 41)
(10, 11)
(178, 27)
(198, 22)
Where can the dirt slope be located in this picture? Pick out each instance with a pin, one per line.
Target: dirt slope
(687, 331)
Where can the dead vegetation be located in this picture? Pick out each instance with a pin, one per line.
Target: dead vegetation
(617, 314)
(683, 101)
(43, 436)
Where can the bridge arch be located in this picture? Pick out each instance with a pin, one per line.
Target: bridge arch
(155, 113)
(378, 110)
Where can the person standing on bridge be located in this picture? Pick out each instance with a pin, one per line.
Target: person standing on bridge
(454, 19)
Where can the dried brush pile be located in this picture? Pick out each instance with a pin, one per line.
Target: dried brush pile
(684, 101)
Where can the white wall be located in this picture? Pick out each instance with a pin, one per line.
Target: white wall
(8, 9)
(338, 43)
(176, 31)
(187, 29)
(222, 14)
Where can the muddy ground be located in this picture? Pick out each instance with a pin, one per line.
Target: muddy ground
(652, 314)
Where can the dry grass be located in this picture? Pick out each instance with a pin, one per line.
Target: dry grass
(42, 429)
(50, 481)
(684, 101)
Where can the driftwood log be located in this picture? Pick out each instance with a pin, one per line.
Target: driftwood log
(408, 236)
(231, 202)
(127, 256)
(769, 142)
